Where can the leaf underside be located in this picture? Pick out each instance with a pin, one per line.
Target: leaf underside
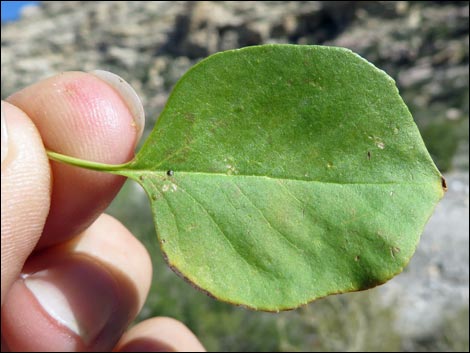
(279, 174)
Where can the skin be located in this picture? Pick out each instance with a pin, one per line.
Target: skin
(53, 224)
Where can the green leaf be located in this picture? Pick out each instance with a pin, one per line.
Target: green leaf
(279, 174)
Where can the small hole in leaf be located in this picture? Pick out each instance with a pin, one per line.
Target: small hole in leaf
(170, 173)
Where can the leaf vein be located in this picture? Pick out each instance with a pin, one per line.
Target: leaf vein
(240, 254)
(293, 245)
(131, 173)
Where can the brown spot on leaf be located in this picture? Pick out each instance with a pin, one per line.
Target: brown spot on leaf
(443, 183)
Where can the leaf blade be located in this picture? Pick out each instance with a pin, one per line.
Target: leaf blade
(255, 139)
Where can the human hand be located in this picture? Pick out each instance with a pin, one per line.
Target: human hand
(73, 278)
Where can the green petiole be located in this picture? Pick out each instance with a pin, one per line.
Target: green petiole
(102, 167)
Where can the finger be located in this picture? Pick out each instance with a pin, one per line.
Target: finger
(80, 295)
(25, 192)
(160, 334)
(89, 117)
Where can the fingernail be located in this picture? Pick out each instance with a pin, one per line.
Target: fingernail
(128, 94)
(4, 136)
(79, 295)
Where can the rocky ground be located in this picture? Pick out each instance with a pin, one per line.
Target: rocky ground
(435, 285)
(423, 45)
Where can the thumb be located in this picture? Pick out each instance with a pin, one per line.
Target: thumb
(25, 192)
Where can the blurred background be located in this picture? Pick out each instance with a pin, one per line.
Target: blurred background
(424, 46)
